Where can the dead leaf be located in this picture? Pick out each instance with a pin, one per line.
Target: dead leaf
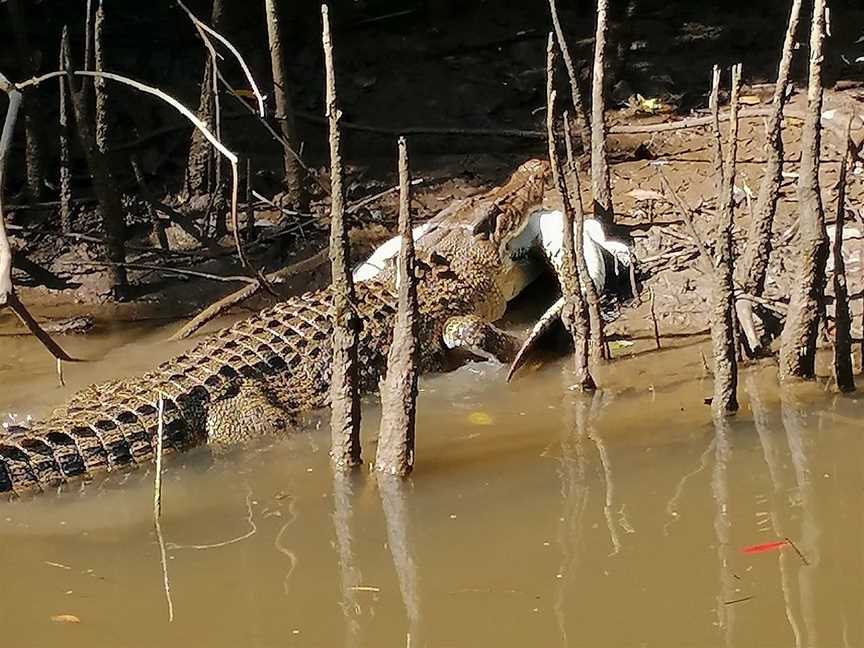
(65, 618)
(645, 194)
(479, 418)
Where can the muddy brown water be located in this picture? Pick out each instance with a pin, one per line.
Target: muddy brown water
(532, 518)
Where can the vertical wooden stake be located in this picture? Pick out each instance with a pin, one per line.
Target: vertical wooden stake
(399, 393)
(842, 319)
(807, 299)
(573, 311)
(65, 163)
(725, 400)
(344, 382)
(601, 187)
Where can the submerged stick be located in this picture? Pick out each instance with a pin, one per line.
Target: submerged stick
(160, 447)
(344, 383)
(157, 508)
(395, 453)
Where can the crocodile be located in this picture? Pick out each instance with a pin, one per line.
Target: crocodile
(255, 376)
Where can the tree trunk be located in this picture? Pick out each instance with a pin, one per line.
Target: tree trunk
(292, 176)
(33, 114)
(199, 162)
(99, 83)
(104, 185)
(65, 183)
(597, 345)
(798, 340)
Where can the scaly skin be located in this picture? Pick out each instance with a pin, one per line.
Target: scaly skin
(250, 378)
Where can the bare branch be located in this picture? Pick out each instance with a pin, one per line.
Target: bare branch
(581, 113)
(600, 184)
(206, 28)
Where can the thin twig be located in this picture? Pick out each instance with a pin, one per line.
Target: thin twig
(581, 114)
(157, 487)
(205, 27)
(797, 550)
(684, 212)
(654, 319)
(278, 137)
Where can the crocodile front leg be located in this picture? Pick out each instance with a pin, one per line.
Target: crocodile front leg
(249, 410)
(480, 338)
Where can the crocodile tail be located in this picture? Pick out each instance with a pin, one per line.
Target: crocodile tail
(82, 441)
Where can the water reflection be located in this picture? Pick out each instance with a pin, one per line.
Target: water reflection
(786, 561)
(793, 415)
(350, 576)
(722, 526)
(608, 484)
(574, 495)
(392, 490)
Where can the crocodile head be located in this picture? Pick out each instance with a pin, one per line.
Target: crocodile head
(480, 234)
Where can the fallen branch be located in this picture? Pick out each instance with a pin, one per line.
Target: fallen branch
(216, 309)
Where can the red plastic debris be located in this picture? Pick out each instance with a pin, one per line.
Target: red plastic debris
(761, 548)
